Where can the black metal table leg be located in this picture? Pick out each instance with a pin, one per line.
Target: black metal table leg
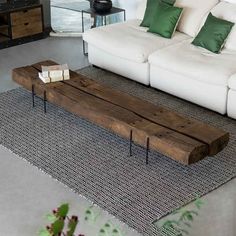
(33, 94)
(45, 101)
(147, 150)
(105, 20)
(82, 21)
(130, 143)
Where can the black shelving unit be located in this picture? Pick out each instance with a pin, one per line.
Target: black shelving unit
(7, 10)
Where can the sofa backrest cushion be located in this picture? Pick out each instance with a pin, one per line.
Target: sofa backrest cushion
(141, 9)
(231, 1)
(194, 13)
(227, 11)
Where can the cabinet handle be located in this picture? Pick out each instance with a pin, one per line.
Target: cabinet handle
(26, 23)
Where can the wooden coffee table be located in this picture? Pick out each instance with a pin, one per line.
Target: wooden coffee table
(180, 138)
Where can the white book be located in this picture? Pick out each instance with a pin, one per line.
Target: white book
(51, 80)
(54, 73)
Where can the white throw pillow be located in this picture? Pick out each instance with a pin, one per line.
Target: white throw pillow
(194, 13)
(227, 11)
(231, 1)
(141, 9)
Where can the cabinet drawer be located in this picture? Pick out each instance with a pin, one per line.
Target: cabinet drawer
(27, 29)
(27, 15)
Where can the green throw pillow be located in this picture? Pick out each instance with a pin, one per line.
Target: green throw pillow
(165, 20)
(213, 34)
(150, 11)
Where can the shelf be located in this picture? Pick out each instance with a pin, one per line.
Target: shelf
(21, 31)
(4, 39)
(3, 26)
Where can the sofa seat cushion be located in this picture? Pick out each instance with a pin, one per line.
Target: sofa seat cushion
(129, 41)
(232, 82)
(196, 63)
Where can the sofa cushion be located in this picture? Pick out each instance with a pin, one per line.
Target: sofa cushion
(194, 14)
(213, 34)
(141, 9)
(129, 41)
(231, 1)
(151, 10)
(227, 11)
(165, 20)
(196, 63)
(232, 82)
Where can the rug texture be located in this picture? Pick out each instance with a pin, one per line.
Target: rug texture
(95, 163)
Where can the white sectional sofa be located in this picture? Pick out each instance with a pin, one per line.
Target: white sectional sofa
(172, 65)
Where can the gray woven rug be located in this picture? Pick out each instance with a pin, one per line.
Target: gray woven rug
(95, 162)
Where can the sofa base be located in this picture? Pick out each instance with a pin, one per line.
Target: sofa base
(211, 96)
(231, 107)
(129, 69)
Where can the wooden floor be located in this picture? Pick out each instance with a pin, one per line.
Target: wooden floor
(180, 138)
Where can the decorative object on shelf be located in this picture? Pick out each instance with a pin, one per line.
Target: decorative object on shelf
(54, 73)
(102, 6)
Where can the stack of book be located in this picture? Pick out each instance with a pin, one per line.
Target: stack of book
(55, 73)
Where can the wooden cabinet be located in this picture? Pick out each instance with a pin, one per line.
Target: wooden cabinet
(26, 22)
(21, 23)
(32, 15)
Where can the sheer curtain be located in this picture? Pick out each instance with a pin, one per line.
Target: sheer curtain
(129, 5)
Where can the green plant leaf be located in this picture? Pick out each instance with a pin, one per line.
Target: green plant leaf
(72, 225)
(187, 215)
(63, 210)
(108, 225)
(176, 212)
(187, 224)
(171, 227)
(91, 214)
(194, 212)
(198, 203)
(57, 227)
(44, 232)
(103, 232)
(116, 232)
(51, 218)
(170, 223)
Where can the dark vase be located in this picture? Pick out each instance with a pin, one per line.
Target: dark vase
(102, 6)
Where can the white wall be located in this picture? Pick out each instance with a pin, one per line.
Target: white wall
(129, 5)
